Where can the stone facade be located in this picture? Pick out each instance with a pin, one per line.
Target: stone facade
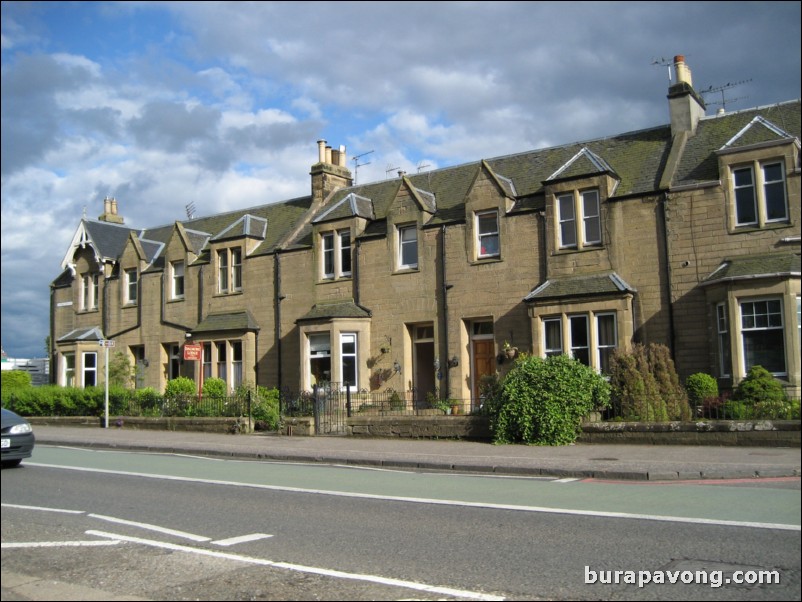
(686, 234)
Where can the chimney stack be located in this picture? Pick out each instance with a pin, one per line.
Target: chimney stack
(329, 173)
(685, 105)
(110, 211)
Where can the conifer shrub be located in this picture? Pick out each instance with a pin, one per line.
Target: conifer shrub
(645, 385)
(543, 401)
(760, 396)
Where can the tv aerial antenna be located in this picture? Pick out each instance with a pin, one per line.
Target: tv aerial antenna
(190, 208)
(422, 166)
(724, 101)
(389, 169)
(357, 164)
(663, 62)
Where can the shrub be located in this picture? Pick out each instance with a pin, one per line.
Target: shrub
(701, 387)
(148, 400)
(121, 372)
(396, 403)
(215, 388)
(14, 379)
(180, 388)
(759, 386)
(264, 408)
(543, 401)
(645, 385)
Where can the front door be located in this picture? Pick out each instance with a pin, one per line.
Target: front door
(484, 363)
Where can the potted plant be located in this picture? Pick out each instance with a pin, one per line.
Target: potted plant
(444, 405)
(510, 351)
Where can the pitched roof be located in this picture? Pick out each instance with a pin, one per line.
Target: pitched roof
(236, 320)
(580, 286)
(339, 309)
(92, 333)
(699, 162)
(749, 267)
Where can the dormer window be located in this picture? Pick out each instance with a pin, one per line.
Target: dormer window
(759, 193)
(89, 292)
(229, 270)
(407, 247)
(579, 219)
(131, 284)
(177, 279)
(487, 239)
(335, 254)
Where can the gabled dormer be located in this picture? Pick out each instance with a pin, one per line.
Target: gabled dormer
(490, 196)
(754, 166)
(576, 198)
(410, 209)
(333, 230)
(228, 249)
(182, 249)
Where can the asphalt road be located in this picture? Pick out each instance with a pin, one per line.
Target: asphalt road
(299, 532)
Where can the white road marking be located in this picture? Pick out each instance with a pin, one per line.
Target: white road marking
(149, 527)
(566, 480)
(441, 502)
(302, 569)
(41, 508)
(231, 541)
(59, 544)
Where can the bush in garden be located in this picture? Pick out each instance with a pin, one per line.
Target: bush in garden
(265, 409)
(180, 388)
(760, 396)
(645, 385)
(700, 386)
(543, 401)
(215, 388)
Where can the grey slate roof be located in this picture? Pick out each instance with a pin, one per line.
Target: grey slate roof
(580, 286)
(93, 333)
(341, 309)
(755, 266)
(109, 239)
(699, 161)
(237, 320)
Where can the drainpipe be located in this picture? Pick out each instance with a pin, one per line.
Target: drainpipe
(666, 241)
(444, 362)
(279, 298)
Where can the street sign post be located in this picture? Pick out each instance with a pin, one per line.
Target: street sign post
(106, 344)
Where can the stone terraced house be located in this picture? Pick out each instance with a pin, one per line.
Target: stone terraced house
(685, 234)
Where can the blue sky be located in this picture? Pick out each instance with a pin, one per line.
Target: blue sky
(220, 104)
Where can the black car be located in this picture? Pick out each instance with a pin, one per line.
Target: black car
(17, 439)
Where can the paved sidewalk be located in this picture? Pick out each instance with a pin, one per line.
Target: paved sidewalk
(603, 461)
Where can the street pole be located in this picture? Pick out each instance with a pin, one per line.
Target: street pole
(107, 386)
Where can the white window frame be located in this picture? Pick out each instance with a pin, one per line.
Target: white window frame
(131, 284)
(576, 201)
(321, 353)
(778, 324)
(759, 192)
(724, 346)
(90, 285)
(87, 370)
(177, 276)
(237, 352)
(403, 245)
(550, 351)
(573, 345)
(335, 254)
(481, 216)
(222, 271)
(68, 369)
(349, 338)
(236, 269)
(599, 346)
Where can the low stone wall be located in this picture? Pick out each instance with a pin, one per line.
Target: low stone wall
(761, 433)
(432, 427)
(205, 425)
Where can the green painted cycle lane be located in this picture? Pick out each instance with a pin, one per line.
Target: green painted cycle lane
(757, 506)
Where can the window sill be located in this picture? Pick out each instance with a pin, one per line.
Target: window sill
(747, 229)
(176, 300)
(335, 280)
(486, 260)
(407, 270)
(229, 294)
(130, 305)
(585, 249)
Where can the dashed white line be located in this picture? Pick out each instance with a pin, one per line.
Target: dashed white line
(59, 544)
(231, 541)
(42, 508)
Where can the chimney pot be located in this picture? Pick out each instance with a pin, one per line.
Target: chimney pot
(328, 154)
(321, 151)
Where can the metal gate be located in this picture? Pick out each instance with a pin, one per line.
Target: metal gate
(331, 409)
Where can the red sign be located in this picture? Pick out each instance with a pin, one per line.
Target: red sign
(193, 352)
